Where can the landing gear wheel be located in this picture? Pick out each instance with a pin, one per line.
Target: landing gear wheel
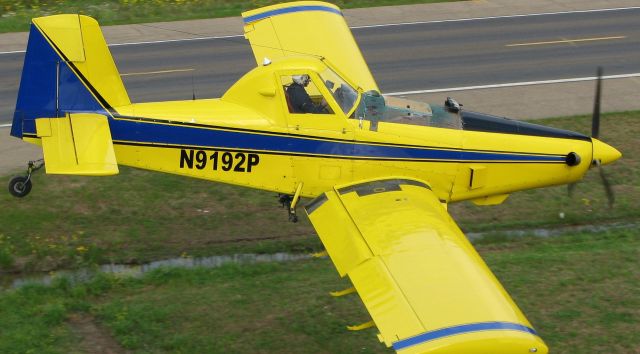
(20, 186)
(285, 200)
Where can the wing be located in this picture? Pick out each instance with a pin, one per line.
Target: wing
(424, 285)
(307, 28)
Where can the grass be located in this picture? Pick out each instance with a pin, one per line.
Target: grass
(33, 321)
(139, 216)
(579, 291)
(16, 15)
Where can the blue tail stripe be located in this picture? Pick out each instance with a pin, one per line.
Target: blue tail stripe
(37, 93)
(461, 329)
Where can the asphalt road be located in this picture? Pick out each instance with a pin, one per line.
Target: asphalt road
(402, 58)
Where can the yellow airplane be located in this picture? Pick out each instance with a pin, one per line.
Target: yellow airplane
(309, 121)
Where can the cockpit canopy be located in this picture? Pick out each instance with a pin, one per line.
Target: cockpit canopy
(377, 108)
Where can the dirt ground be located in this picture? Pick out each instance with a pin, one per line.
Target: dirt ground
(15, 153)
(92, 337)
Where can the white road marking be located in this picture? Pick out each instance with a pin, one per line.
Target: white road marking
(497, 17)
(479, 87)
(158, 72)
(176, 40)
(566, 41)
(512, 84)
(13, 52)
(373, 26)
(153, 42)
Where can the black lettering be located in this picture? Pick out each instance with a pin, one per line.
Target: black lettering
(227, 161)
(254, 160)
(214, 158)
(240, 162)
(201, 158)
(240, 156)
(186, 159)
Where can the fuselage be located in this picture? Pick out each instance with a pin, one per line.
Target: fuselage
(225, 142)
(249, 137)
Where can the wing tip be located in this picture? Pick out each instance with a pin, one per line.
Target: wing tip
(291, 7)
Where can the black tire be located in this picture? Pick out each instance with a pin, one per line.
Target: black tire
(19, 186)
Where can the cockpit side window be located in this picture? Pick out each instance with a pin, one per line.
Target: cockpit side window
(303, 96)
(342, 92)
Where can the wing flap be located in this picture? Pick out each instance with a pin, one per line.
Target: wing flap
(385, 301)
(264, 39)
(78, 144)
(424, 285)
(347, 251)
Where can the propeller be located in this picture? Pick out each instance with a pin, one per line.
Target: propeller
(595, 118)
(611, 198)
(595, 133)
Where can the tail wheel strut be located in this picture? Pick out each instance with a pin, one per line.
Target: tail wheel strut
(20, 186)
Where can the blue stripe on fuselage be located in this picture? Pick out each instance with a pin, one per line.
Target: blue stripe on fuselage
(183, 135)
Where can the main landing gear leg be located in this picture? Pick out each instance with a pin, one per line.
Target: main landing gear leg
(20, 186)
(290, 202)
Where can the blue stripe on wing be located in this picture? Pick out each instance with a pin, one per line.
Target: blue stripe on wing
(287, 10)
(461, 329)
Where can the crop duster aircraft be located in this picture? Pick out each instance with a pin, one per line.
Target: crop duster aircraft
(381, 170)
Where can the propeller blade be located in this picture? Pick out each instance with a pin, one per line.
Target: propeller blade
(595, 118)
(611, 198)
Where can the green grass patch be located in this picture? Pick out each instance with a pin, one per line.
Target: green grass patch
(579, 291)
(33, 321)
(140, 216)
(16, 15)
(136, 217)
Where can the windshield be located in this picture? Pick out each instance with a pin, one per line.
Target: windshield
(377, 108)
(344, 94)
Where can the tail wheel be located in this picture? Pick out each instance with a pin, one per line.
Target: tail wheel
(20, 186)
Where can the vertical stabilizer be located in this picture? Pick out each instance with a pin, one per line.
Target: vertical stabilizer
(67, 69)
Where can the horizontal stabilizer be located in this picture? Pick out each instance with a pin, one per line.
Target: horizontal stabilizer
(78, 144)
